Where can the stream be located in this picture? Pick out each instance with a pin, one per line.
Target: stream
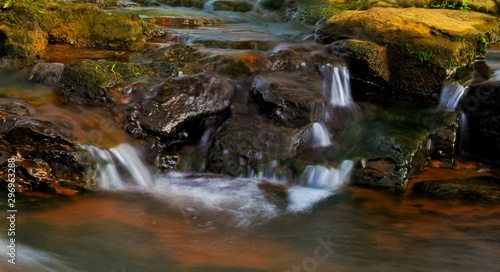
(140, 219)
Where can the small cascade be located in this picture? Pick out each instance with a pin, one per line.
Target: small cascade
(320, 135)
(318, 176)
(120, 167)
(451, 95)
(336, 85)
(209, 5)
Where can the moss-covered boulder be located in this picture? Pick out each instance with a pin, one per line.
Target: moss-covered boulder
(27, 26)
(90, 82)
(422, 44)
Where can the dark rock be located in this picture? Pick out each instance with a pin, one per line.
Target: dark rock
(483, 117)
(477, 189)
(32, 132)
(287, 99)
(224, 5)
(444, 138)
(172, 53)
(12, 110)
(246, 143)
(179, 103)
(45, 152)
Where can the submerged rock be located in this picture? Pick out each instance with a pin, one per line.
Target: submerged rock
(476, 189)
(422, 45)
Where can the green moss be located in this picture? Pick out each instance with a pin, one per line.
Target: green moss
(27, 27)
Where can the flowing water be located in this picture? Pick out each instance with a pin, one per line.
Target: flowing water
(141, 220)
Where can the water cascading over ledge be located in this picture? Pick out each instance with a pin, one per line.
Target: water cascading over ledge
(336, 85)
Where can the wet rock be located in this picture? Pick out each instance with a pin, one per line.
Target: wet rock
(247, 143)
(30, 131)
(444, 138)
(390, 147)
(288, 100)
(422, 44)
(174, 107)
(237, 64)
(173, 3)
(476, 189)
(12, 110)
(45, 152)
(483, 117)
(173, 53)
(224, 5)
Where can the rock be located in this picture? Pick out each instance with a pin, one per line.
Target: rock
(12, 110)
(422, 44)
(368, 65)
(226, 5)
(476, 189)
(174, 107)
(87, 81)
(444, 138)
(483, 118)
(172, 53)
(391, 146)
(45, 152)
(47, 73)
(98, 82)
(247, 143)
(287, 99)
(26, 29)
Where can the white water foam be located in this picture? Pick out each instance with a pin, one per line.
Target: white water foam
(336, 85)
(451, 95)
(241, 198)
(120, 167)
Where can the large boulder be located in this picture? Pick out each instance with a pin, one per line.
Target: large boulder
(422, 45)
(27, 27)
(483, 120)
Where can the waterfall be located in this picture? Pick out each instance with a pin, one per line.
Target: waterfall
(336, 85)
(321, 137)
(120, 167)
(451, 95)
(318, 176)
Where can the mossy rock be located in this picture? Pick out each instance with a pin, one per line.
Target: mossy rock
(422, 44)
(27, 27)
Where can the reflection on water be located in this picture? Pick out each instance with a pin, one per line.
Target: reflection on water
(356, 229)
